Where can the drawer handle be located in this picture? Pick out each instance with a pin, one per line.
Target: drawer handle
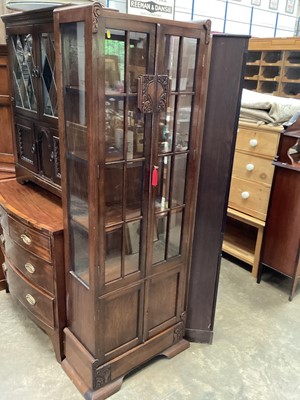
(30, 268)
(253, 142)
(4, 267)
(2, 238)
(31, 300)
(250, 167)
(245, 195)
(26, 239)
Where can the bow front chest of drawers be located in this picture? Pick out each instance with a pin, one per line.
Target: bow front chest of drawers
(32, 244)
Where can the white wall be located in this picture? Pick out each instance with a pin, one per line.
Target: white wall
(235, 16)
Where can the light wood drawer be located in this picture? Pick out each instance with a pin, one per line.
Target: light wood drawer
(30, 239)
(35, 269)
(34, 300)
(247, 166)
(258, 197)
(257, 142)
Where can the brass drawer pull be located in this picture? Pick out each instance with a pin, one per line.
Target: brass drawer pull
(31, 300)
(26, 239)
(30, 268)
(2, 238)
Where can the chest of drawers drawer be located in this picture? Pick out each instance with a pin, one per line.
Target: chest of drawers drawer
(249, 197)
(30, 239)
(33, 268)
(257, 141)
(253, 168)
(35, 301)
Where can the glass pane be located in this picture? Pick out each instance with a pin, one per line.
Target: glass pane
(23, 67)
(134, 189)
(78, 191)
(113, 193)
(79, 245)
(179, 180)
(189, 49)
(114, 61)
(166, 126)
(172, 48)
(163, 188)
(136, 130)
(184, 110)
(73, 74)
(159, 238)
(132, 247)
(175, 229)
(138, 58)
(114, 128)
(113, 255)
(48, 74)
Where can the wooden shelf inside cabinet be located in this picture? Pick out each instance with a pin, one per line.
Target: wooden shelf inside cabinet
(32, 243)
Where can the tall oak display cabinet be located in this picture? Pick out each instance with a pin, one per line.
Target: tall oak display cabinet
(131, 109)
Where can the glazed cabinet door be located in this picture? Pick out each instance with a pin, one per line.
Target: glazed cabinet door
(24, 63)
(128, 53)
(175, 154)
(46, 71)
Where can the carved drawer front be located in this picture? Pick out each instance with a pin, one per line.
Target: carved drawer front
(257, 142)
(249, 197)
(35, 269)
(34, 300)
(248, 166)
(30, 239)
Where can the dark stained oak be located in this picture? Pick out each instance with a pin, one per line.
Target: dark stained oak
(130, 166)
(220, 127)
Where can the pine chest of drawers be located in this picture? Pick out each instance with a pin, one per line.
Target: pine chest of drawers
(32, 244)
(251, 183)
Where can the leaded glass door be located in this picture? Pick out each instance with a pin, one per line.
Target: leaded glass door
(24, 70)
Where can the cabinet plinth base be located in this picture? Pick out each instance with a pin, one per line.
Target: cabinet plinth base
(99, 394)
(98, 382)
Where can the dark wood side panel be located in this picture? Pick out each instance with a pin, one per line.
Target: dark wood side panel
(281, 242)
(221, 120)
